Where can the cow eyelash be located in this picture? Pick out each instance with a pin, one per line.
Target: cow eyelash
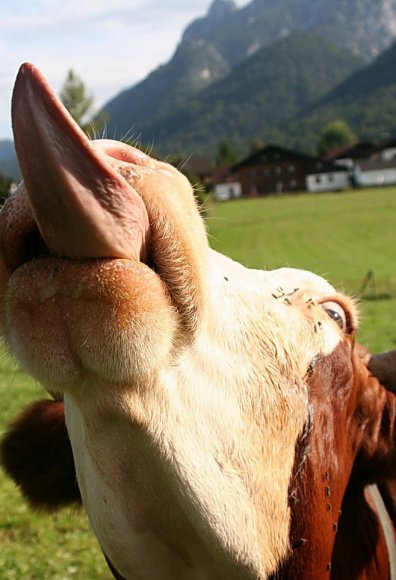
(339, 314)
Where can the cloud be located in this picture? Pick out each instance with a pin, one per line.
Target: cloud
(46, 14)
(111, 45)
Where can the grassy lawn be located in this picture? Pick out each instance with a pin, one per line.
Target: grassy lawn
(38, 546)
(341, 236)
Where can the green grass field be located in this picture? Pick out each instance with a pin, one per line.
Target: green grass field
(341, 236)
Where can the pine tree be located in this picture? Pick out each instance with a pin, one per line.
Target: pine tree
(225, 155)
(79, 103)
(75, 98)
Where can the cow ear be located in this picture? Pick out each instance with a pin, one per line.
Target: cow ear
(36, 453)
(383, 366)
(375, 419)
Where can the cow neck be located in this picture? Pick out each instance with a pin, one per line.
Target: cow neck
(323, 465)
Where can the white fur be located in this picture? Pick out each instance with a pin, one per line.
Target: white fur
(201, 457)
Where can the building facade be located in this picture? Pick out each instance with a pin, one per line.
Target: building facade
(276, 170)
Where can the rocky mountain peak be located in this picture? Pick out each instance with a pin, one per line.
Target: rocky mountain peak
(221, 9)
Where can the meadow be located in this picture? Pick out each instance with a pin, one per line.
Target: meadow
(340, 235)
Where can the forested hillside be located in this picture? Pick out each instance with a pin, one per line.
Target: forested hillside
(227, 36)
(271, 87)
(366, 101)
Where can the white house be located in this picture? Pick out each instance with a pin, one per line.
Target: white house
(373, 172)
(370, 164)
(389, 154)
(334, 178)
(226, 191)
(379, 168)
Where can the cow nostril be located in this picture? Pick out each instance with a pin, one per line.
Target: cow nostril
(33, 246)
(21, 243)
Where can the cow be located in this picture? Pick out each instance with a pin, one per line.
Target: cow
(222, 422)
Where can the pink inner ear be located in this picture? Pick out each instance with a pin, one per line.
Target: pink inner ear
(83, 207)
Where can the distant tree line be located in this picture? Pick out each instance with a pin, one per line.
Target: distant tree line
(335, 135)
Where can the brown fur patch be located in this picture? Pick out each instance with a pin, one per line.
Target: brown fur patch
(36, 453)
(360, 549)
(334, 530)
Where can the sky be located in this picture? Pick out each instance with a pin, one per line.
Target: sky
(110, 44)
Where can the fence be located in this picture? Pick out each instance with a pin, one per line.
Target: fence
(372, 287)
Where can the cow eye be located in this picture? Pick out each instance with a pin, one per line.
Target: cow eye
(337, 313)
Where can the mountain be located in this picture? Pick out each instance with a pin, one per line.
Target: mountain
(272, 86)
(194, 66)
(362, 26)
(275, 70)
(212, 46)
(8, 161)
(207, 26)
(366, 100)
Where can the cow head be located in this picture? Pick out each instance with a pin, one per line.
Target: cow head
(205, 402)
